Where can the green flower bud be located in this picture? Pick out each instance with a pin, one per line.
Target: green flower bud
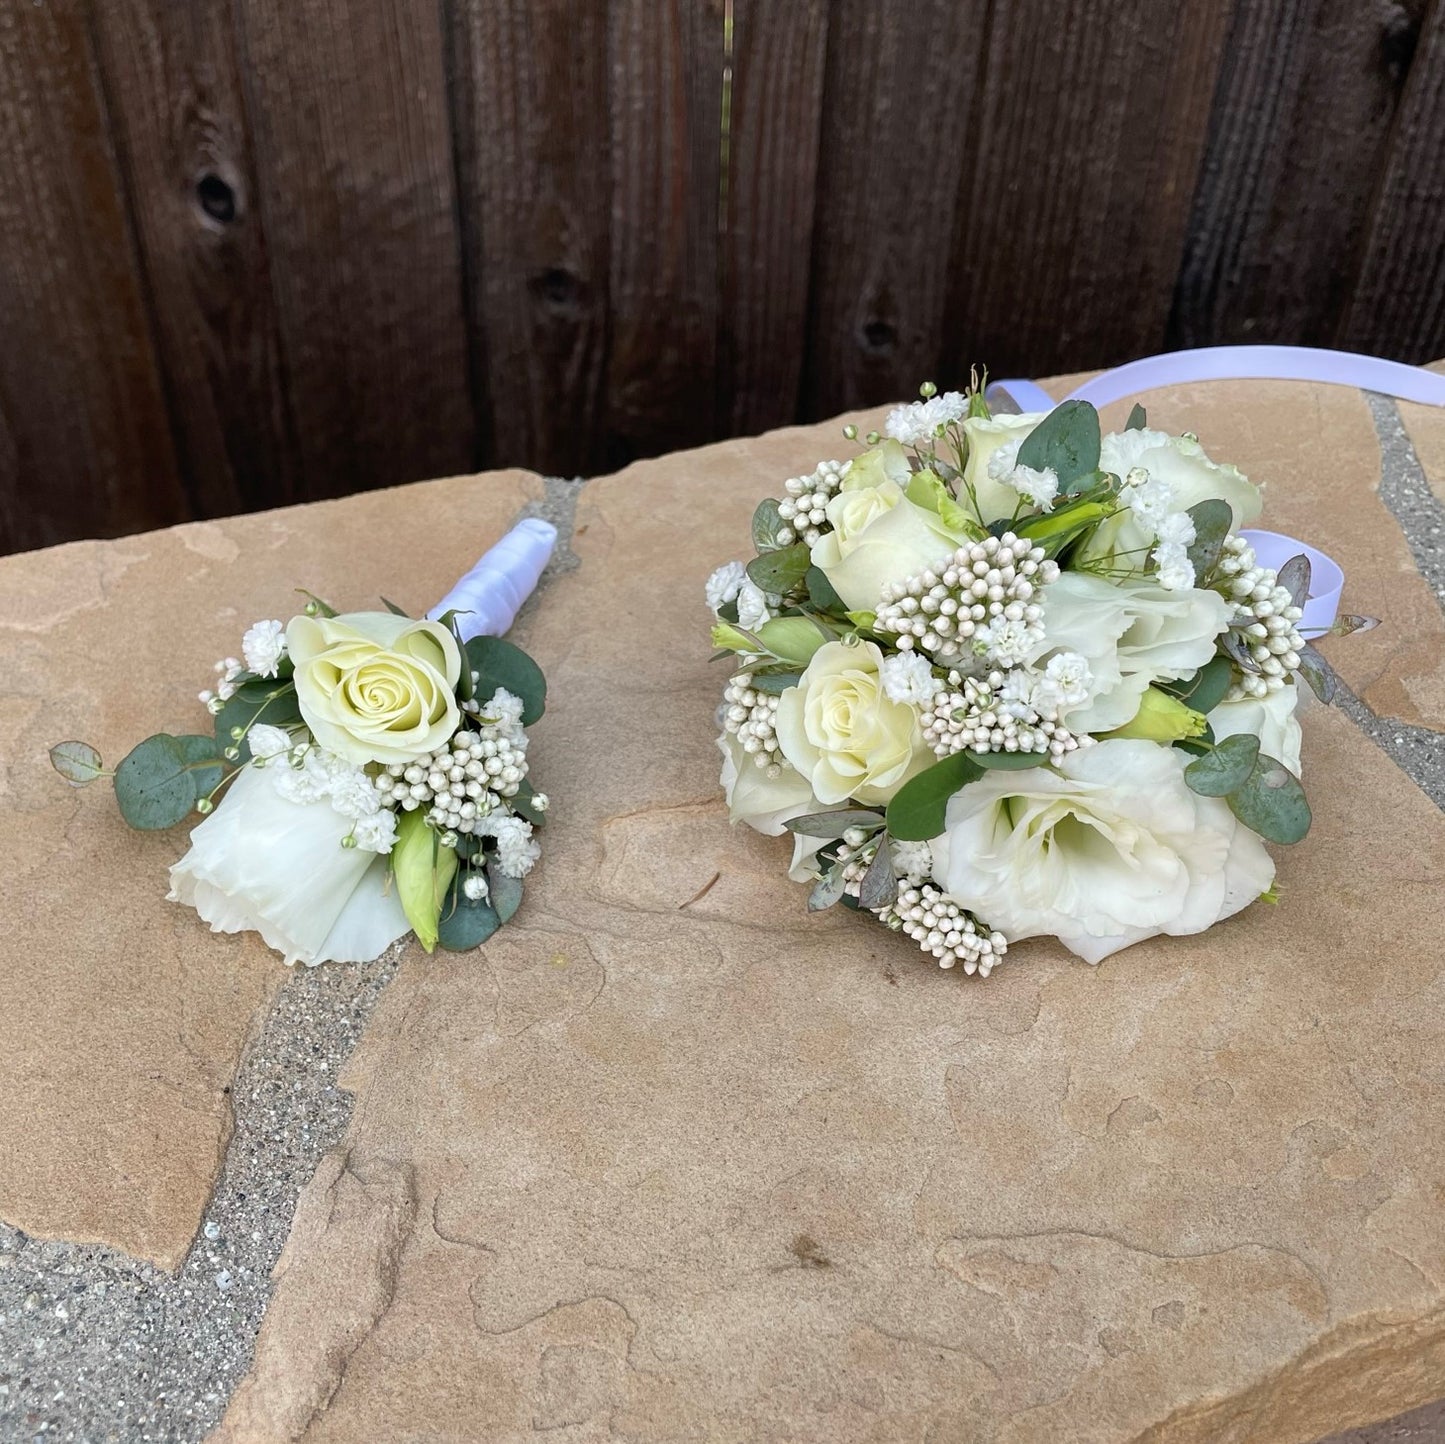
(1162, 718)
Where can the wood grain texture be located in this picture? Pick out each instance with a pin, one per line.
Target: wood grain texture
(177, 106)
(900, 91)
(85, 445)
(534, 157)
(1272, 235)
(666, 59)
(1398, 304)
(349, 110)
(779, 57)
(1072, 216)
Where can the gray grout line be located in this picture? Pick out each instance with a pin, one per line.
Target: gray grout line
(1406, 492)
(96, 1345)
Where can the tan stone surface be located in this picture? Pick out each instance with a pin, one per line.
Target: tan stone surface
(1426, 428)
(669, 1159)
(122, 1017)
(1314, 447)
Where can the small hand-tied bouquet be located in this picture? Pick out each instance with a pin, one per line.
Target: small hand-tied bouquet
(366, 773)
(1002, 677)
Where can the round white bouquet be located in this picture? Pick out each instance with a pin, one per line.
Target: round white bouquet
(1005, 677)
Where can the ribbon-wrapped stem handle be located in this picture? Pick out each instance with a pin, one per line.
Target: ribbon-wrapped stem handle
(491, 594)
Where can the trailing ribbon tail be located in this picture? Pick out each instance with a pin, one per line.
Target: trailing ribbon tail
(489, 597)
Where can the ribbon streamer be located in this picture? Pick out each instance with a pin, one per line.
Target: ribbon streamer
(489, 597)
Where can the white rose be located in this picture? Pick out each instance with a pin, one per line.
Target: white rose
(842, 732)
(261, 862)
(985, 439)
(1130, 634)
(1178, 463)
(879, 535)
(1109, 849)
(1270, 718)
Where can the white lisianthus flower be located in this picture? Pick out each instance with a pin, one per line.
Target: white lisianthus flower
(260, 862)
(841, 731)
(373, 687)
(724, 584)
(917, 423)
(263, 646)
(878, 535)
(996, 499)
(753, 609)
(908, 677)
(1124, 541)
(1131, 635)
(764, 803)
(1107, 850)
(1271, 718)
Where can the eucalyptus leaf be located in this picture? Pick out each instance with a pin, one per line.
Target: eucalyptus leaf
(1318, 674)
(880, 883)
(156, 783)
(774, 683)
(1212, 520)
(1294, 577)
(827, 890)
(1138, 419)
(781, 571)
(1008, 761)
(204, 760)
(833, 824)
(500, 663)
(821, 593)
(506, 892)
(464, 923)
(1238, 650)
(767, 524)
(916, 813)
(1271, 802)
(1209, 685)
(1224, 767)
(1065, 442)
(77, 762)
(1348, 622)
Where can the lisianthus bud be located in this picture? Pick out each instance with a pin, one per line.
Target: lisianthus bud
(1162, 718)
(424, 870)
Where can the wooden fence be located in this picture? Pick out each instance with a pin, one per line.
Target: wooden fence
(259, 251)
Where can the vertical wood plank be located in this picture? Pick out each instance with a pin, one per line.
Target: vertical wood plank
(531, 100)
(900, 90)
(86, 444)
(666, 132)
(176, 104)
(1299, 132)
(779, 57)
(1398, 307)
(349, 111)
(1084, 161)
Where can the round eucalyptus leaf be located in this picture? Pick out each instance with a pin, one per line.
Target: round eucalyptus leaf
(504, 664)
(464, 924)
(155, 784)
(1224, 767)
(77, 762)
(506, 892)
(1272, 803)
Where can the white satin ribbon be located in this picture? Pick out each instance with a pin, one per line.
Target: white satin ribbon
(489, 597)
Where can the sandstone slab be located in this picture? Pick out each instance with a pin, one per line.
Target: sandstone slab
(122, 1017)
(670, 1159)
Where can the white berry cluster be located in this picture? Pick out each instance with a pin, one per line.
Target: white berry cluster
(972, 714)
(751, 716)
(465, 780)
(228, 671)
(805, 506)
(985, 587)
(943, 929)
(1265, 615)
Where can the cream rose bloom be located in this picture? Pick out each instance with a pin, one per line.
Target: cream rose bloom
(1124, 541)
(879, 535)
(1131, 634)
(1271, 718)
(986, 438)
(841, 732)
(261, 862)
(1108, 850)
(373, 687)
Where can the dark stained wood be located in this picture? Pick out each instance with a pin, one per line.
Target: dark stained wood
(1299, 132)
(779, 55)
(349, 110)
(530, 89)
(85, 446)
(176, 104)
(900, 93)
(666, 59)
(1073, 216)
(1398, 305)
